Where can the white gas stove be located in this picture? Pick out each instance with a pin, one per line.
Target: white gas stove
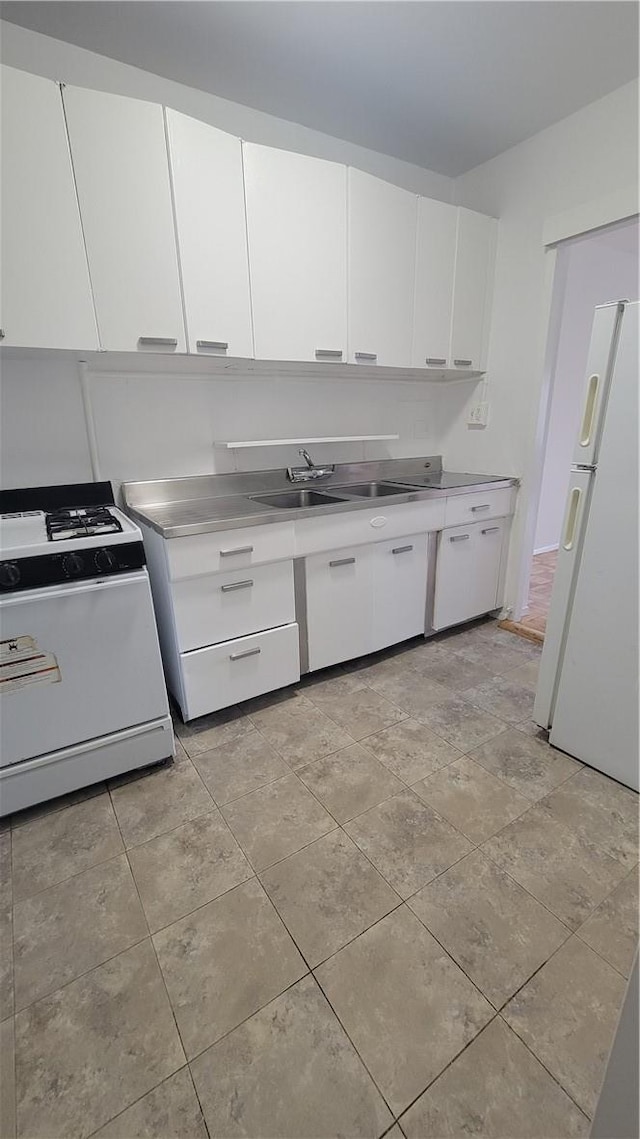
(82, 694)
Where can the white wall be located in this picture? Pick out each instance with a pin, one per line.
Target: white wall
(601, 267)
(586, 158)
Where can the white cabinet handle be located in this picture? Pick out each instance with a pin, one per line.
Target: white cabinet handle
(485, 506)
(572, 518)
(238, 550)
(490, 530)
(236, 585)
(160, 341)
(589, 410)
(435, 360)
(459, 538)
(342, 562)
(367, 356)
(246, 653)
(328, 353)
(213, 345)
(463, 363)
(402, 549)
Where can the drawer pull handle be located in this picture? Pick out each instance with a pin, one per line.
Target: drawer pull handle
(485, 506)
(490, 530)
(245, 653)
(236, 585)
(367, 356)
(238, 550)
(342, 562)
(463, 363)
(459, 538)
(328, 353)
(215, 345)
(160, 341)
(402, 549)
(435, 360)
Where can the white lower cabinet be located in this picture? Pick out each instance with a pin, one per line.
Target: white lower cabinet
(468, 572)
(221, 675)
(217, 607)
(399, 590)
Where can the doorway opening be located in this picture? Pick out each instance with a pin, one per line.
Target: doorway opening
(592, 270)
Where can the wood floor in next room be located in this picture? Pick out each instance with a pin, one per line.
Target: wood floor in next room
(378, 903)
(543, 570)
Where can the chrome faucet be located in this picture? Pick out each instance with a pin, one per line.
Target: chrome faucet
(310, 471)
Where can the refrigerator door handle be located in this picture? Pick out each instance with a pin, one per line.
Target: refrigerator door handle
(589, 414)
(572, 518)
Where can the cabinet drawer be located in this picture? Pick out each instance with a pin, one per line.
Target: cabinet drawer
(225, 674)
(365, 526)
(467, 572)
(217, 607)
(476, 507)
(224, 550)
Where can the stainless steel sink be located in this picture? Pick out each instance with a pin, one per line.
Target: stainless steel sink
(295, 499)
(372, 490)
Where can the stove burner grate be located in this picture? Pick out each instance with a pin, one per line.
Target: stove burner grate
(83, 523)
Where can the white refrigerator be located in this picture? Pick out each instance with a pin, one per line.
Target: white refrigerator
(588, 683)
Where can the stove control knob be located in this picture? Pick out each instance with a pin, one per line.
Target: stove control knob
(105, 560)
(72, 565)
(9, 574)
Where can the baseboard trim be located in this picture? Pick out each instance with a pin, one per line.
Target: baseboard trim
(522, 631)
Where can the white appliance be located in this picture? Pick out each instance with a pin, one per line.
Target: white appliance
(588, 684)
(82, 693)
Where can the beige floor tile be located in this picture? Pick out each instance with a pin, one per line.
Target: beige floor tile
(39, 810)
(407, 842)
(526, 675)
(224, 962)
(7, 1080)
(321, 688)
(277, 820)
(460, 723)
(411, 751)
(406, 1006)
(6, 964)
(72, 927)
(567, 1015)
(496, 932)
(213, 730)
(177, 872)
(170, 1111)
(497, 657)
(567, 874)
(361, 713)
(240, 766)
(601, 811)
(289, 1072)
(612, 928)
(327, 894)
(395, 1132)
(471, 798)
(165, 799)
(439, 663)
(106, 1039)
(410, 691)
(299, 731)
(52, 848)
(350, 782)
(496, 1088)
(6, 883)
(503, 697)
(526, 763)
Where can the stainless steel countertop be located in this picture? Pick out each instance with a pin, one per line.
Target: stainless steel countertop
(180, 507)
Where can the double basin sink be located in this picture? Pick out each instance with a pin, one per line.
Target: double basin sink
(303, 499)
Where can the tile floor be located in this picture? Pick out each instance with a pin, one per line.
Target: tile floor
(540, 586)
(376, 904)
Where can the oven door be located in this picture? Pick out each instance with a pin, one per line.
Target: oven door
(77, 661)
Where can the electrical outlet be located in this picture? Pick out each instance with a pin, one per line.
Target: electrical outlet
(478, 415)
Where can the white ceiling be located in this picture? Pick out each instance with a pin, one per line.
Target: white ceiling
(443, 85)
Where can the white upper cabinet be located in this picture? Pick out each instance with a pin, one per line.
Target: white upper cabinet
(119, 153)
(473, 289)
(382, 250)
(46, 295)
(297, 231)
(206, 169)
(435, 261)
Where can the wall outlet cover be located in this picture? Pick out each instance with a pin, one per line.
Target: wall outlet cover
(478, 415)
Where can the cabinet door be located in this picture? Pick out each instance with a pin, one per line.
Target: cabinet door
(382, 249)
(400, 589)
(435, 262)
(297, 230)
(206, 170)
(473, 289)
(467, 572)
(46, 295)
(339, 588)
(120, 161)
